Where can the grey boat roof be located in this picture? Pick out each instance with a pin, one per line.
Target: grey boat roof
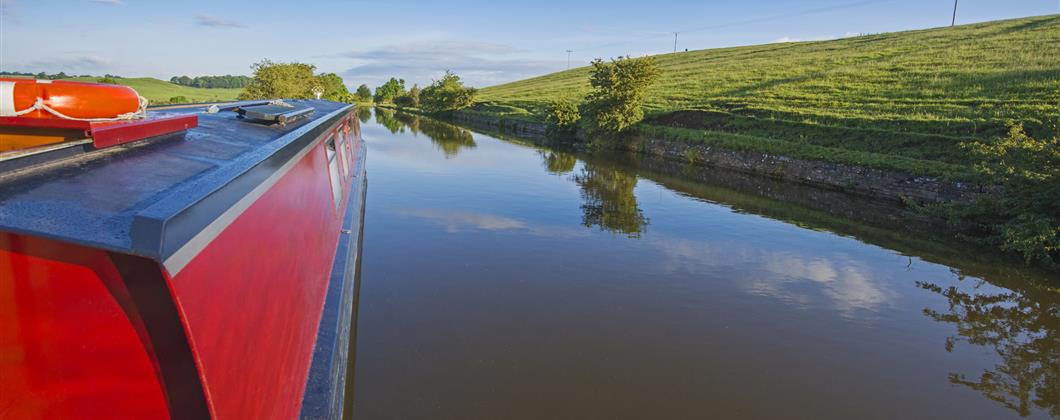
(150, 197)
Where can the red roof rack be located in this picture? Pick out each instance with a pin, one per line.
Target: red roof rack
(111, 133)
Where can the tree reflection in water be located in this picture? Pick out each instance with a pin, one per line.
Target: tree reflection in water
(558, 163)
(609, 200)
(363, 114)
(385, 118)
(1024, 331)
(449, 138)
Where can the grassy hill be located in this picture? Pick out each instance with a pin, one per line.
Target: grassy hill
(160, 92)
(915, 94)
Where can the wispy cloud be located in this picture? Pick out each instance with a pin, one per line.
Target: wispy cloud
(73, 64)
(211, 21)
(109, 2)
(478, 63)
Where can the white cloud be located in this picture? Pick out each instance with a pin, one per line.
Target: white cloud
(478, 63)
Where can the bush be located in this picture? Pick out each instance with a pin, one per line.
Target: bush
(447, 94)
(108, 80)
(562, 118)
(1025, 217)
(179, 100)
(619, 88)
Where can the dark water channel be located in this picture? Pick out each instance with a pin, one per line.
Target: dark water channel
(507, 281)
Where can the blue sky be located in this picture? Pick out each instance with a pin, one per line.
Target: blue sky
(486, 42)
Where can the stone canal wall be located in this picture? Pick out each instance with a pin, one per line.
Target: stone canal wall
(876, 183)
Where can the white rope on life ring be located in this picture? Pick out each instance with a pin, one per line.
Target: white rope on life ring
(7, 107)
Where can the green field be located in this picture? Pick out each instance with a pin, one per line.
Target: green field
(160, 92)
(915, 95)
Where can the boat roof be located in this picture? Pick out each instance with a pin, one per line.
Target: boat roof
(151, 197)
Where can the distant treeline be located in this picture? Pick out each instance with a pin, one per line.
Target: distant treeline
(60, 75)
(210, 82)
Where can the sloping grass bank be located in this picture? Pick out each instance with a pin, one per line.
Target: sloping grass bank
(901, 101)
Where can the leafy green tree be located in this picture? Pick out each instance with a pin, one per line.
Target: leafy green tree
(390, 90)
(280, 80)
(364, 94)
(334, 88)
(619, 88)
(446, 94)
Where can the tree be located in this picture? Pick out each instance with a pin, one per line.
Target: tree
(364, 94)
(447, 94)
(390, 90)
(334, 88)
(619, 89)
(280, 80)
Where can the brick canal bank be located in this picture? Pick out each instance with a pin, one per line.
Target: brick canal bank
(865, 181)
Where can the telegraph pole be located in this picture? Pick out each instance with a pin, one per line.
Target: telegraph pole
(568, 58)
(954, 21)
(675, 42)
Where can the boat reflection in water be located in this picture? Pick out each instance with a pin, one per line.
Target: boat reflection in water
(544, 281)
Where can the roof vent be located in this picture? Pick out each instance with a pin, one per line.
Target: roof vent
(275, 112)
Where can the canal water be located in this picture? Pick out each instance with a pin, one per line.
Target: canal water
(503, 280)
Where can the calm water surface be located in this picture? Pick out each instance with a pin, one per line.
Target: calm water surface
(504, 281)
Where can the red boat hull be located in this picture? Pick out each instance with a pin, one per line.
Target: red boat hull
(225, 329)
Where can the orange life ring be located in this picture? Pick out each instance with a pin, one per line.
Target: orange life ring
(31, 98)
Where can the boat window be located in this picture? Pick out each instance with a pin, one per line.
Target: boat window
(342, 153)
(333, 168)
(349, 140)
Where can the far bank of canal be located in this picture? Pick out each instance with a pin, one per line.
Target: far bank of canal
(505, 280)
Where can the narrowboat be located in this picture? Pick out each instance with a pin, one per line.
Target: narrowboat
(195, 261)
